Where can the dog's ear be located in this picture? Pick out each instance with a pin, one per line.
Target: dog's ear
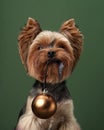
(26, 37)
(72, 33)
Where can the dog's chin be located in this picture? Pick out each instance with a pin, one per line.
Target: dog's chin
(54, 72)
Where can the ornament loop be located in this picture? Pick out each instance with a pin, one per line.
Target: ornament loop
(45, 91)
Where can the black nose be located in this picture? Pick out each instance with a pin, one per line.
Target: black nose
(51, 54)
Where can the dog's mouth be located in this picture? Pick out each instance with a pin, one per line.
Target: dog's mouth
(59, 63)
(56, 61)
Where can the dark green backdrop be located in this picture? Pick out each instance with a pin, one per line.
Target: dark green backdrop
(87, 81)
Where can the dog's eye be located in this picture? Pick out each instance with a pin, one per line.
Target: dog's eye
(40, 48)
(61, 46)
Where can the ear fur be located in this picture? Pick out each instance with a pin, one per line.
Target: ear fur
(25, 38)
(72, 33)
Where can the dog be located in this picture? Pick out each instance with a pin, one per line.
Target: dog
(63, 49)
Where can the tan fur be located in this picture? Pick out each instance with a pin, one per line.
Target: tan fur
(64, 115)
(37, 59)
(25, 38)
(34, 47)
(69, 30)
(31, 38)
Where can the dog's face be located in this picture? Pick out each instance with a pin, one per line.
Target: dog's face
(54, 48)
(60, 50)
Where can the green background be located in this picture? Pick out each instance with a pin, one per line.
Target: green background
(87, 81)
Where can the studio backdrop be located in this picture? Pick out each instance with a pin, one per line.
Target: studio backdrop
(86, 83)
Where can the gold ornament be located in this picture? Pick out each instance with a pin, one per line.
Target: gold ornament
(44, 106)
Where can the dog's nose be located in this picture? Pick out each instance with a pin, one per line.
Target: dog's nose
(51, 54)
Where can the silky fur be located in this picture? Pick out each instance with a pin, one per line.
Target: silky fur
(37, 59)
(34, 46)
(63, 119)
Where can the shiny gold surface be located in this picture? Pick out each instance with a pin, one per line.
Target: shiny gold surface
(44, 106)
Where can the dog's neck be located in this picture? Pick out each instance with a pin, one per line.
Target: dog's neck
(59, 91)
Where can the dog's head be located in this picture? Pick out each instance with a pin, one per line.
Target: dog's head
(61, 49)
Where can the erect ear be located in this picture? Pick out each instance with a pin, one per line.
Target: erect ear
(26, 37)
(72, 33)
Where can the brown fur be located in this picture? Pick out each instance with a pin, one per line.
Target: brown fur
(28, 33)
(34, 47)
(37, 58)
(32, 30)
(70, 30)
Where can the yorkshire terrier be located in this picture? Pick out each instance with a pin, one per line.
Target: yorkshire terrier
(63, 49)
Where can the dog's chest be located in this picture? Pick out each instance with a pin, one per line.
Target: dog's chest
(28, 121)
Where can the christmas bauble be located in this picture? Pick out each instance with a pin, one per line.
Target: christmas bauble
(44, 106)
